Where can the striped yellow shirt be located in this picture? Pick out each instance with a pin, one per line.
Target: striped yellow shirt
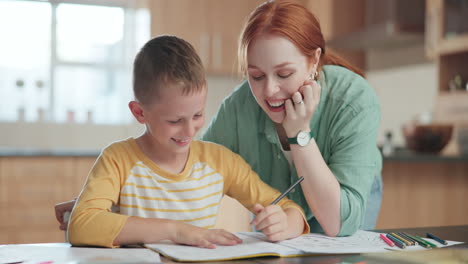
(124, 177)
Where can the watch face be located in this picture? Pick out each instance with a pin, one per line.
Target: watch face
(303, 138)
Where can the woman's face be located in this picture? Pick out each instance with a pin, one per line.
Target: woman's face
(276, 69)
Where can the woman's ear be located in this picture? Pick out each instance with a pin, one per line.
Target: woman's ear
(137, 111)
(317, 54)
(314, 62)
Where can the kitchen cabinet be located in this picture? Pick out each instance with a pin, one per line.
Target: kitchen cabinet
(226, 20)
(447, 43)
(425, 191)
(30, 186)
(339, 18)
(211, 26)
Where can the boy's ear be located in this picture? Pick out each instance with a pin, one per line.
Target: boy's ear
(137, 111)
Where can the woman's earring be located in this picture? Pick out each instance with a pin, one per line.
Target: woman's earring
(313, 76)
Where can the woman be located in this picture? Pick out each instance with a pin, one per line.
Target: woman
(295, 86)
(303, 111)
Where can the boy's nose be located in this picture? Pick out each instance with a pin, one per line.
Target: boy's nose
(190, 129)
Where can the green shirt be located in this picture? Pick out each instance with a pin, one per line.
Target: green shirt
(344, 125)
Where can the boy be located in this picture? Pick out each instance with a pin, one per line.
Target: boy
(166, 185)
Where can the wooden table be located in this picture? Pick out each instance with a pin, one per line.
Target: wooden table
(454, 233)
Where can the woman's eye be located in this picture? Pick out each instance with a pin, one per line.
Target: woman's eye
(284, 76)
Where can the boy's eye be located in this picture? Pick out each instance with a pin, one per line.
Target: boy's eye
(257, 78)
(174, 121)
(198, 116)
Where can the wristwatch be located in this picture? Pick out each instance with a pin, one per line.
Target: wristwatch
(302, 139)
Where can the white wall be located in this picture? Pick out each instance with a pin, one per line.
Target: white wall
(406, 84)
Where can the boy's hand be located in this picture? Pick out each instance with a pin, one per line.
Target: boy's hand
(61, 209)
(272, 221)
(204, 238)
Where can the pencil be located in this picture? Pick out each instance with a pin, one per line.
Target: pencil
(287, 191)
(421, 243)
(427, 242)
(406, 241)
(429, 235)
(414, 242)
(397, 241)
(386, 240)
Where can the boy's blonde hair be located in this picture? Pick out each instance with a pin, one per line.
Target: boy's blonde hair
(166, 60)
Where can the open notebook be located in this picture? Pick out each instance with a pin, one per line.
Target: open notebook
(255, 245)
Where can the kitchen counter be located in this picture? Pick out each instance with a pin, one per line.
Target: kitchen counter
(400, 154)
(407, 155)
(11, 152)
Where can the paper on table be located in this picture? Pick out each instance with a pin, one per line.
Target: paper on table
(251, 246)
(255, 245)
(361, 242)
(65, 254)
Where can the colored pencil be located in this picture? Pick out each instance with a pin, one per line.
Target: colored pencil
(421, 243)
(406, 241)
(427, 242)
(413, 242)
(386, 240)
(397, 241)
(429, 235)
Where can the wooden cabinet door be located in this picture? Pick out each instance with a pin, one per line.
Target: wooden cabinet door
(433, 31)
(30, 188)
(184, 18)
(211, 26)
(227, 20)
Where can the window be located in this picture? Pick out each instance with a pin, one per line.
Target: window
(64, 61)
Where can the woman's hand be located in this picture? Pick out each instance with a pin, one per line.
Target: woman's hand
(272, 221)
(205, 238)
(61, 209)
(301, 107)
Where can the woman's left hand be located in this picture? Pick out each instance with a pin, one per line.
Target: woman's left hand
(301, 107)
(271, 221)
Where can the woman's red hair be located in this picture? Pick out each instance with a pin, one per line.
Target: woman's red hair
(292, 20)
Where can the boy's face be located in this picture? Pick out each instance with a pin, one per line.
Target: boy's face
(174, 119)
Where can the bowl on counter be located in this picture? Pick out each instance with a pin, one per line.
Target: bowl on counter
(430, 138)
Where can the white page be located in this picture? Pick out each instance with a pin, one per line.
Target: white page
(66, 254)
(255, 243)
(252, 244)
(361, 242)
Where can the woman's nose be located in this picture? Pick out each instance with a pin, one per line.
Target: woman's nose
(271, 87)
